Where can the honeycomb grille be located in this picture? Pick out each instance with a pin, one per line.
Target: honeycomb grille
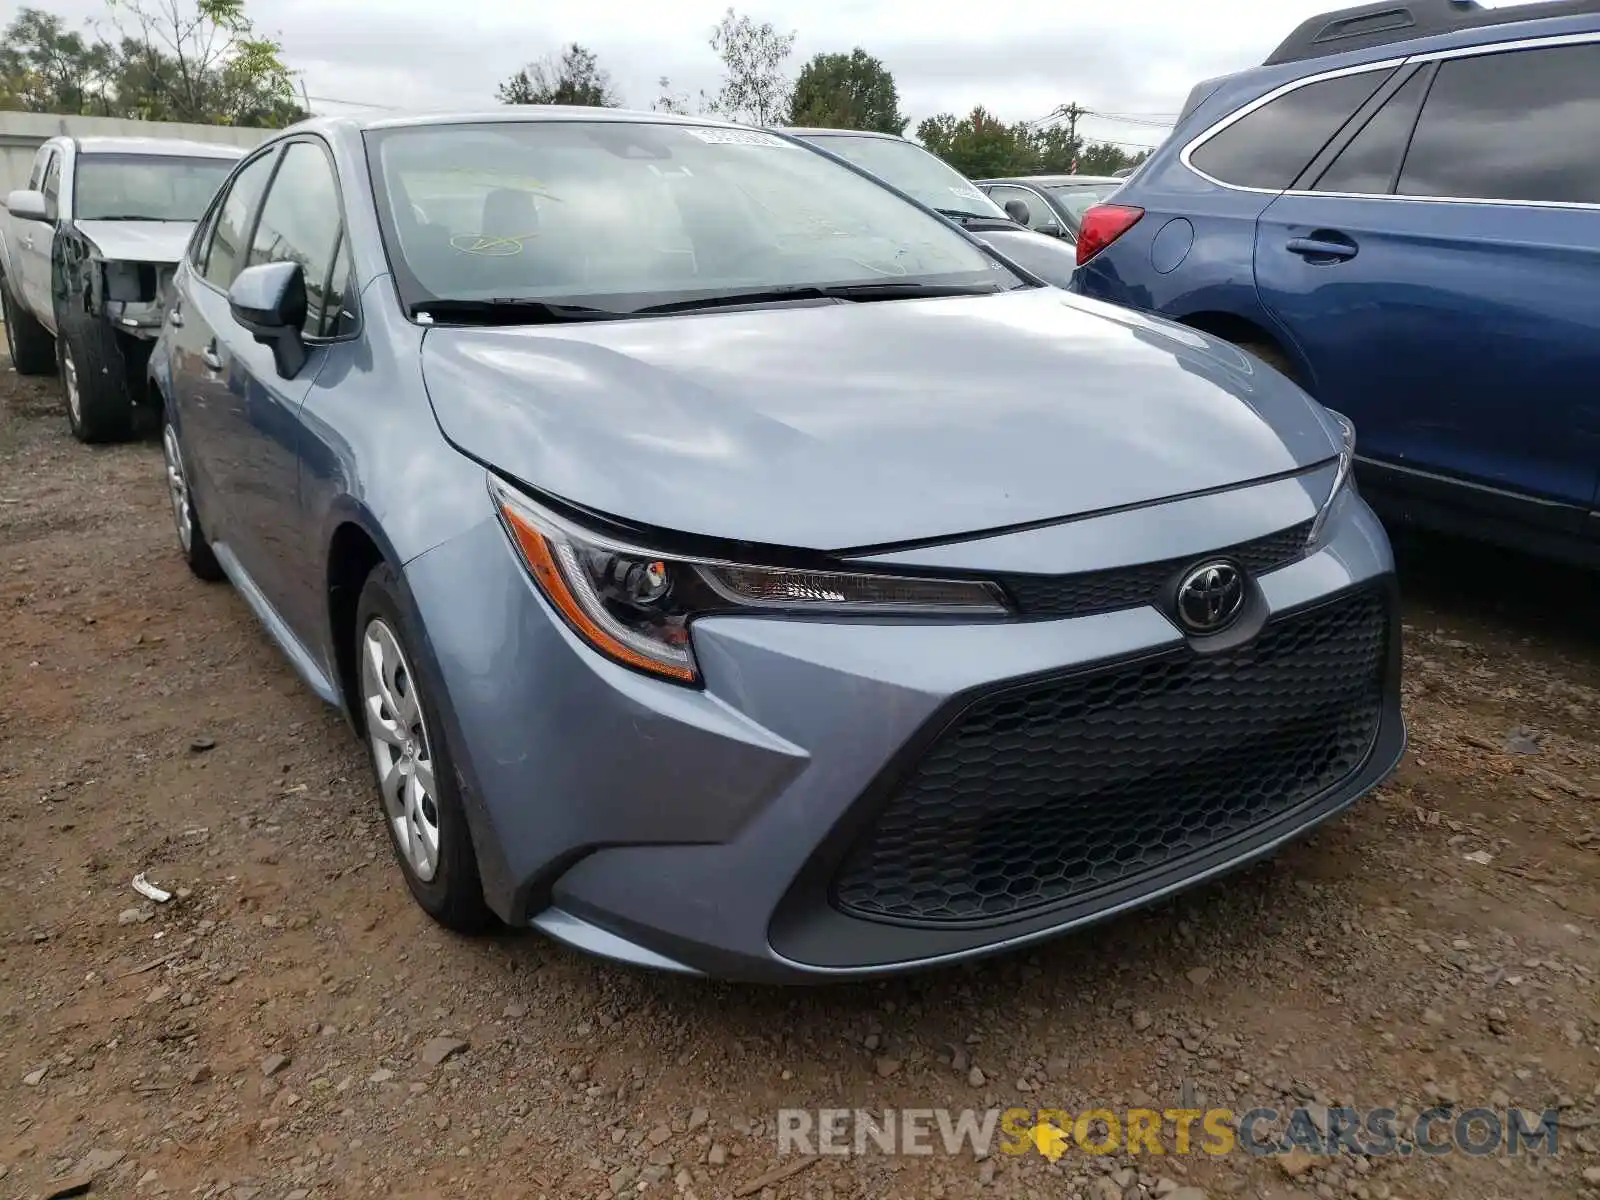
(1130, 587)
(1059, 789)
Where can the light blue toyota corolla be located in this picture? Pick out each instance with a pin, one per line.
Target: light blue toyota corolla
(731, 567)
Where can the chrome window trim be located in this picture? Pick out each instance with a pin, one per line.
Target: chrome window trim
(1565, 39)
(1576, 205)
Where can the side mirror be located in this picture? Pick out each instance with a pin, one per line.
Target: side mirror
(1017, 210)
(1053, 229)
(269, 300)
(27, 205)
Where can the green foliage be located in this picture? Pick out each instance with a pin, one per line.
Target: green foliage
(979, 145)
(46, 68)
(982, 147)
(1105, 159)
(755, 88)
(847, 91)
(575, 77)
(160, 60)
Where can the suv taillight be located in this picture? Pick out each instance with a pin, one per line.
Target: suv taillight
(1102, 225)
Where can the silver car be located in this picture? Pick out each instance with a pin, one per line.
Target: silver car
(732, 567)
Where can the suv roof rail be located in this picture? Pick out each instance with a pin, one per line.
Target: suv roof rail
(1369, 25)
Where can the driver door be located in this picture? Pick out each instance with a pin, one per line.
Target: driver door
(35, 241)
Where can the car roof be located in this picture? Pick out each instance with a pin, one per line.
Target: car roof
(1387, 23)
(171, 147)
(504, 113)
(1053, 180)
(818, 130)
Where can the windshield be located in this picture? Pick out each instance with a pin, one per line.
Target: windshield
(1076, 201)
(915, 171)
(621, 216)
(145, 187)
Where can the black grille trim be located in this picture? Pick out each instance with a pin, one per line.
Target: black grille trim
(1091, 592)
(1137, 743)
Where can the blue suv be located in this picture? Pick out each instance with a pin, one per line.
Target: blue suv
(1401, 211)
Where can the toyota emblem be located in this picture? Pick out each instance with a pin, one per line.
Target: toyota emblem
(1210, 597)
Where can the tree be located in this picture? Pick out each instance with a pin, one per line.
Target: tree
(755, 88)
(847, 91)
(1103, 158)
(201, 61)
(162, 60)
(575, 77)
(1055, 149)
(980, 145)
(669, 101)
(46, 68)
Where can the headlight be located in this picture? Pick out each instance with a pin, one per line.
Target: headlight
(634, 606)
(1341, 479)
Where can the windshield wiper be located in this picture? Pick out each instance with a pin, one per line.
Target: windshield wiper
(509, 310)
(129, 217)
(961, 214)
(858, 292)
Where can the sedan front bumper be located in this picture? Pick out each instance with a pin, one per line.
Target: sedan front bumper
(849, 798)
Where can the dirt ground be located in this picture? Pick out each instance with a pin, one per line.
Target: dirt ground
(269, 1032)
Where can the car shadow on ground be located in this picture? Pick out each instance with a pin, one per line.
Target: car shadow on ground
(1499, 591)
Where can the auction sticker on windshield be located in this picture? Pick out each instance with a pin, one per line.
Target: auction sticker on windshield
(737, 137)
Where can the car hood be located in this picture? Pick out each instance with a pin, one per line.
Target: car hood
(845, 426)
(138, 241)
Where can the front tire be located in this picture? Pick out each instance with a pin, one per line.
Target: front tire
(411, 763)
(29, 343)
(94, 375)
(192, 543)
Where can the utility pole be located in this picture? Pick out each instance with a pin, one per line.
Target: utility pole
(1071, 112)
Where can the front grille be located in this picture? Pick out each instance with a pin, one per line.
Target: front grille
(1059, 789)
(1130, 587)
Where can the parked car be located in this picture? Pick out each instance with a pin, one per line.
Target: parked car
(732, 567)
(85, 251)
(1051, 204)
(928, 179)
(1402, 212)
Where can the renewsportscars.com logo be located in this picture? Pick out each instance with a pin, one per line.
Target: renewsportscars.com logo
(1318, 1131)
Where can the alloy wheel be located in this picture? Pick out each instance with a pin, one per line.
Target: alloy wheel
(177, 488)
(69, 379)
(398, 737)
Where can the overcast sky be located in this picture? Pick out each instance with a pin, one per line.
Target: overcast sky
(1021, 59)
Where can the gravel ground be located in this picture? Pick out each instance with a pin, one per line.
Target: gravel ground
(274, 1031)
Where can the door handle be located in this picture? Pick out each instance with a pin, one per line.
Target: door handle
(1323, 246)
(211, 357)
(27, 242)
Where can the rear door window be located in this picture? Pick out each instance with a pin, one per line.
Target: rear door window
(1268, 147)
(1519, 125)
(1369, 164)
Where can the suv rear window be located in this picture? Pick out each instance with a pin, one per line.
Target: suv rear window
(1519, 125)
(1273, 144)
